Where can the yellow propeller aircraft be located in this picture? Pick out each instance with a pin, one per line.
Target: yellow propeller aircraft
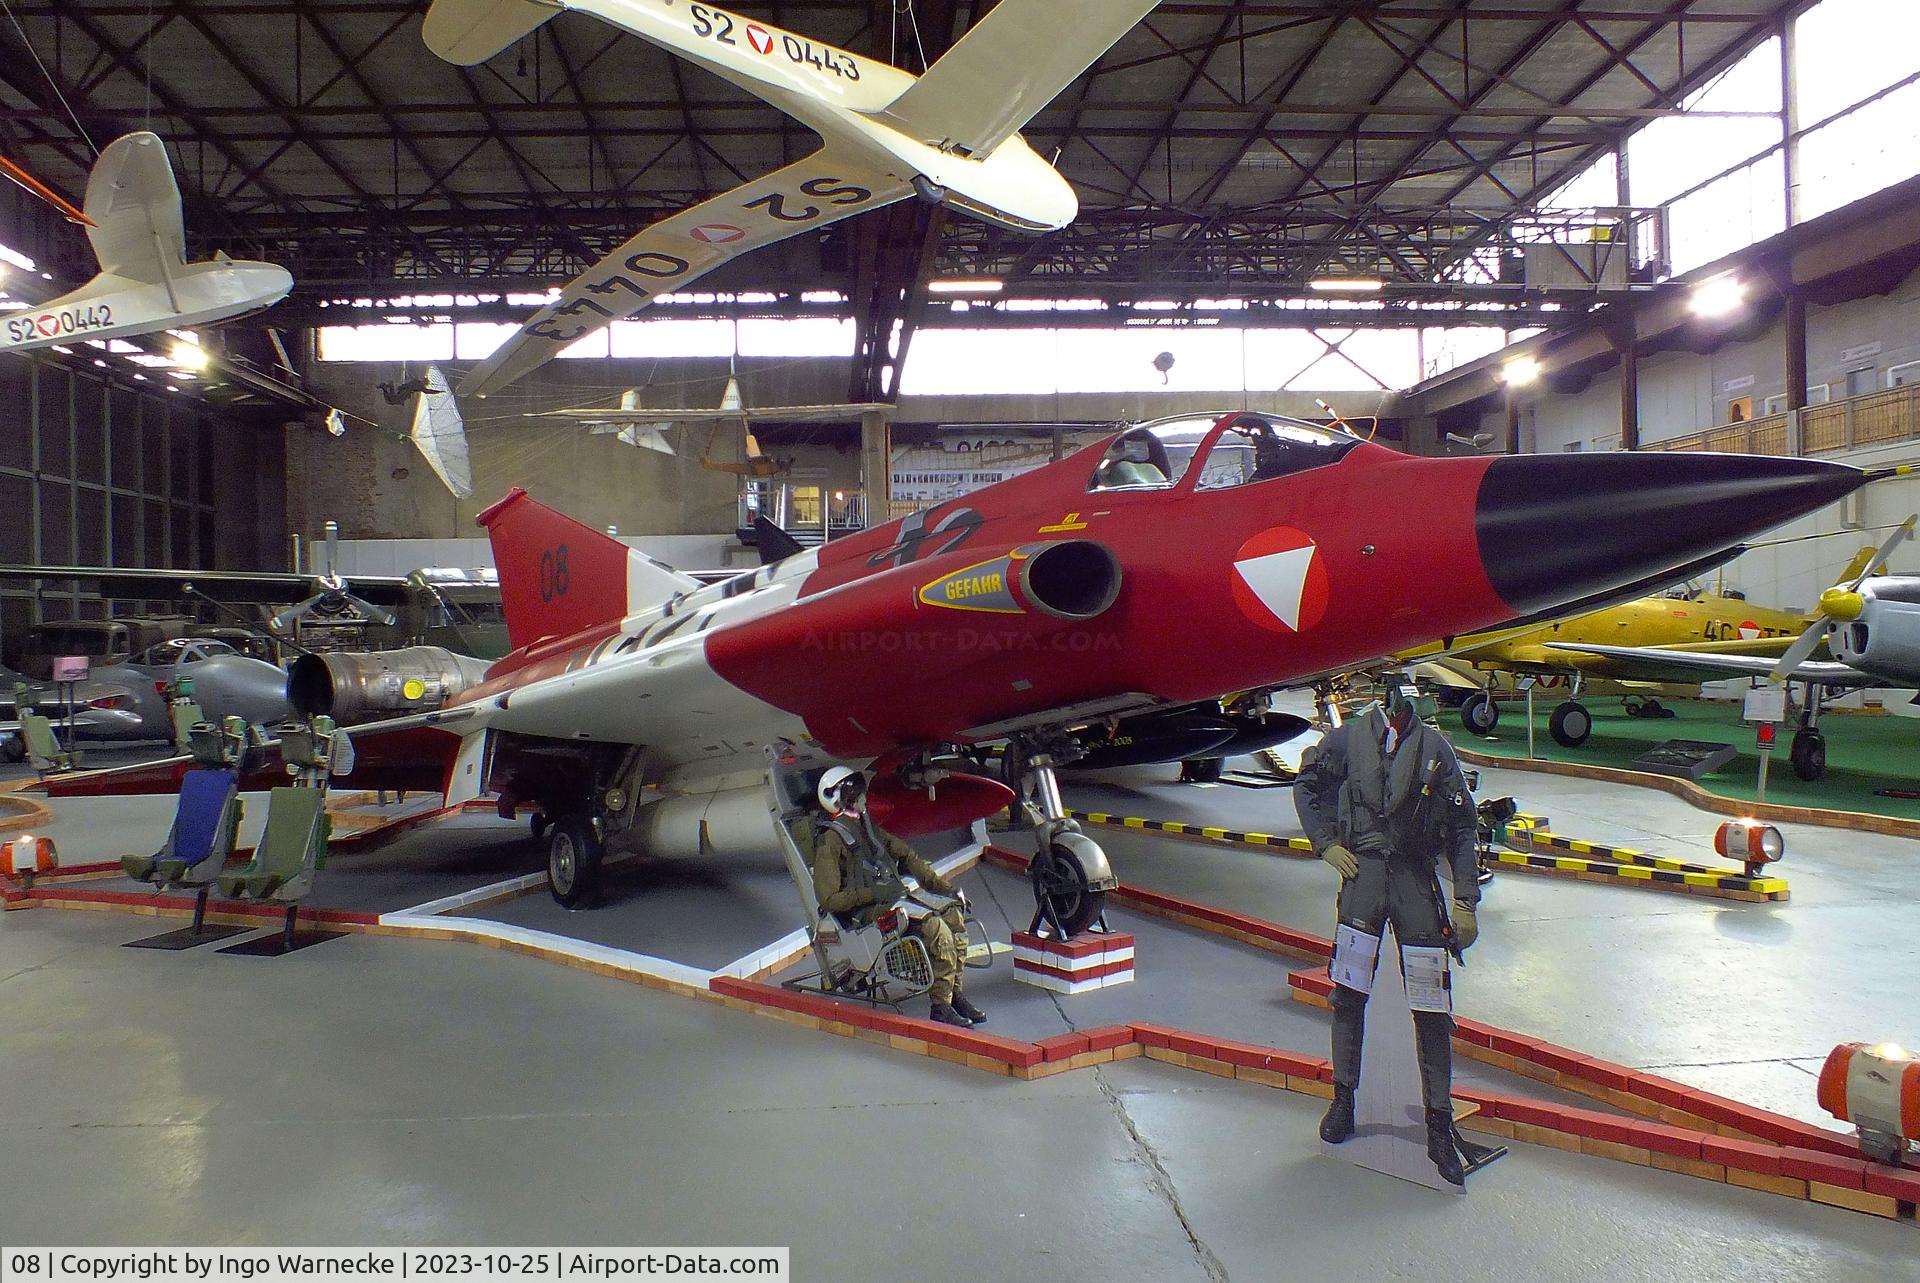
(1688, 616)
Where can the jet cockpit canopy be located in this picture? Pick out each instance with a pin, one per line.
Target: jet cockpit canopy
(1235, 449)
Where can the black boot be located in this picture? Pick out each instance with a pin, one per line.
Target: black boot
(1338, 1124)
(967, 1009)
(1440, 1147)
(943, 1013)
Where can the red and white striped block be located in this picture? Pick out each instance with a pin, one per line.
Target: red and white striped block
(1072, 966)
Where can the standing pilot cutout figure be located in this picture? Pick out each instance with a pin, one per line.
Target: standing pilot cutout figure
(1383, 801)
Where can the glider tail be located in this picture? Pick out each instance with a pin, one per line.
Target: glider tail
(559, 576)
(465, 32)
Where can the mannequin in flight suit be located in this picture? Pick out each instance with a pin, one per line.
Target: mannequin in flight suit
(1383, 801)
(856, 874)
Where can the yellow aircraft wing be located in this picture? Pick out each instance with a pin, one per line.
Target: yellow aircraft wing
(1697, 664)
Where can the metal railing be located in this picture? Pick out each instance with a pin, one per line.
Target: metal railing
(1877, 418)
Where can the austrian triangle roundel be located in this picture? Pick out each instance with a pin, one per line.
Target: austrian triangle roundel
(1280, 580)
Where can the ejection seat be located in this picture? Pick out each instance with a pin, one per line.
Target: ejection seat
(185, 713)
(206, 827)
(294, 846)
(36, 733)
(882, 961)
(206, 822)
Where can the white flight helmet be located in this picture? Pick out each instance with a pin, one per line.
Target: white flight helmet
(840, 786)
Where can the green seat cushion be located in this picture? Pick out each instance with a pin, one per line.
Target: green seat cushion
(139, 867)
(293, 816)
(37, 732)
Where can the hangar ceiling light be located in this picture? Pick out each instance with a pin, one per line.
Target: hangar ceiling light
(1718, 296)
(1520, 371)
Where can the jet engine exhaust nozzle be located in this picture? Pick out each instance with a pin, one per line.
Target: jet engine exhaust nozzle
(353, 688)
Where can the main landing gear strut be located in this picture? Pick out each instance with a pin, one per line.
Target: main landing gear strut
(1809, 752)
(1069, 872)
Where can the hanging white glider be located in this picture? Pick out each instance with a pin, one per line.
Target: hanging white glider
(440, 434)
(602, 422)
(145, 283)
(646, 426)
(951, 135)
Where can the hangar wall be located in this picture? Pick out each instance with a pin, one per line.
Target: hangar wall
(376, 485)
(1851, 348)
(100, 471)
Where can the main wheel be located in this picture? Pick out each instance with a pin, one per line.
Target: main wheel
(1570, 724)
(1479, 714)
(1809, 755)
(1061, 881)
(1202, 770)
(573, 861)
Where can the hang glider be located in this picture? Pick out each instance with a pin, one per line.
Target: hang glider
(145, 284)
(440, 435)
(949, 136)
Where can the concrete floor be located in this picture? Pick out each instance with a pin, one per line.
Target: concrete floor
(1745, 999)
(399, 1091)
(395, 1092)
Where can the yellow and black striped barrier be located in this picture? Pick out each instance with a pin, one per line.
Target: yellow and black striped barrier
(1183, 829)
(1735, 886)
(1592, 861)
(1597, 860)
(1531, 830)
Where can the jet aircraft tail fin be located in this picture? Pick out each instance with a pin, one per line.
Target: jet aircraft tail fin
(465, 32)
(559, 576)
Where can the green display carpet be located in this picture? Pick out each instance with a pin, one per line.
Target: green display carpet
(1864, 753)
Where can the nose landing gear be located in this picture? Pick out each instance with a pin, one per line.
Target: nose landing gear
(1069, 872)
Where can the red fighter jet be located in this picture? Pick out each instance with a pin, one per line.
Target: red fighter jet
(1141, 579)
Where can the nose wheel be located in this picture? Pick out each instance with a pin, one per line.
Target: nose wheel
(1063, 895)
(1069, 873)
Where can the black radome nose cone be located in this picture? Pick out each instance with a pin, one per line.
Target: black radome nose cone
(1555, 529)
